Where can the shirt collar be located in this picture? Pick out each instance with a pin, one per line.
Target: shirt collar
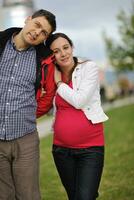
(31, 48)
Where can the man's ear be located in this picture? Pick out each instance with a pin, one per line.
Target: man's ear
(28, 19)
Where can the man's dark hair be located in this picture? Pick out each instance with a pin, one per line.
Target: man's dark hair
(48, 15)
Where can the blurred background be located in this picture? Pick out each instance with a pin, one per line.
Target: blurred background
(103, 31)
(98, 31)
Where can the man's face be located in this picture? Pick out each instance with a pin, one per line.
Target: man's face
(36, 30)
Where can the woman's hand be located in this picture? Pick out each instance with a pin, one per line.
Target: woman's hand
(57, 76)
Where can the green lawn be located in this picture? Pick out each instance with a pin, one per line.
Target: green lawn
(118, 176)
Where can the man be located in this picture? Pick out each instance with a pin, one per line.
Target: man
(26, 71)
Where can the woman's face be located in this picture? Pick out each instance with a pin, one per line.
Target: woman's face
(63, 52)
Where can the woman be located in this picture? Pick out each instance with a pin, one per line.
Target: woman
(78, 144)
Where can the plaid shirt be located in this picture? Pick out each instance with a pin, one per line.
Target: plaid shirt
(17, 92)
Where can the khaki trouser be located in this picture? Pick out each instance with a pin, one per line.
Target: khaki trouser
(19, 168)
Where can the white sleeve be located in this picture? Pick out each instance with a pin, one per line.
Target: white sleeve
(79, 97)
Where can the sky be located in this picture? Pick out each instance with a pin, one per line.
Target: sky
(85, 20)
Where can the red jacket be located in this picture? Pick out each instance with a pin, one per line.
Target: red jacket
(46, 93)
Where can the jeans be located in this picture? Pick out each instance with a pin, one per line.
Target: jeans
(80, 170)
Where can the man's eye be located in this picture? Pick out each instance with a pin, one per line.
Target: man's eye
(36, 24)
(44, 33)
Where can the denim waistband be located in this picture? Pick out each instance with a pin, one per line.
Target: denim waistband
(94, 148)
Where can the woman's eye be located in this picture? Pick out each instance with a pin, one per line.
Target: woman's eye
(55, 52)
(65, 47)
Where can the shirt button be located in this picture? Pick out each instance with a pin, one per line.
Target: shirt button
(12, 77)
(16, 64)
(9, 90)
(75, 77)
(3, 129)
(7, 103)
(88, 108)
(6, 117)
(77, 89)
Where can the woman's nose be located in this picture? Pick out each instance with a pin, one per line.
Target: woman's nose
(62, 53)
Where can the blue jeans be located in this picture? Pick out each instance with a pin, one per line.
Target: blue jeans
(80, 170)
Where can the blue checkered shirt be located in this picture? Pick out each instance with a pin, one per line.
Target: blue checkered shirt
(17, 92)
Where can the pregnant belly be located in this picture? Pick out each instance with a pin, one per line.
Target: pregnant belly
(73, 129)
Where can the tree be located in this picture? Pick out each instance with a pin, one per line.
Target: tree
(121, 55)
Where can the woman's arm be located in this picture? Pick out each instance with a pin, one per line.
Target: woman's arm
(81, 96)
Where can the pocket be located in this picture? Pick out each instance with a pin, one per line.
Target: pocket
(95, 156)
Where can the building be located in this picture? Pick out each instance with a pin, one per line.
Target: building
(14, 12)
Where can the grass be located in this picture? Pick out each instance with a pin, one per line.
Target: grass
(44, 117)
(118, 175)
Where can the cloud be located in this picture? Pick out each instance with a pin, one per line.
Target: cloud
(84, 21)
(79, 14)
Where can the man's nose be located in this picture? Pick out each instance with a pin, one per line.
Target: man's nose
(38, 31)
